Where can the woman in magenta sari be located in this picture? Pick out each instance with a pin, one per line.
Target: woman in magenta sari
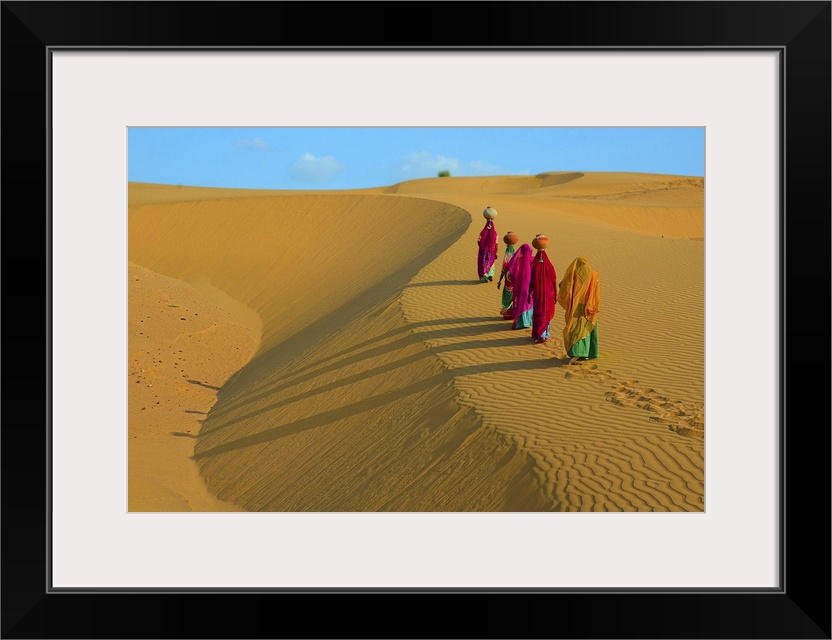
(542, 292)
(520, 273)
(487, 243)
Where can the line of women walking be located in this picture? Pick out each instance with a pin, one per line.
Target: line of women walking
(531, 291)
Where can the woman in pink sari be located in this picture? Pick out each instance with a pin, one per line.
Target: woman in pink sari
(520, 273)
(487, 243)
(542, 290)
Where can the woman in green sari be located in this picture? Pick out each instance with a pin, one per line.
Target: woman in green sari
(508, 290)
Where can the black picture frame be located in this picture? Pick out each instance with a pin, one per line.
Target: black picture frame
(799, 608)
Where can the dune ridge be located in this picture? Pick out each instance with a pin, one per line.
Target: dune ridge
(394, 398)
(600, 438)
(384, 378)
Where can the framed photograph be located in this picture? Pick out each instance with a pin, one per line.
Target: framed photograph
(742, 548)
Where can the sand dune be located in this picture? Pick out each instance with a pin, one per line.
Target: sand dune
(356, 364)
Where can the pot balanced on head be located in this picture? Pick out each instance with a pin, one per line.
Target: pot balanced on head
(487, 244)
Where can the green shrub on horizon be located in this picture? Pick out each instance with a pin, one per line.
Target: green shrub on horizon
(444, 173)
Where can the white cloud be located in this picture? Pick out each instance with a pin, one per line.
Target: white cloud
(308, 168)
(252, 143)
(424, 164)
(480, 168)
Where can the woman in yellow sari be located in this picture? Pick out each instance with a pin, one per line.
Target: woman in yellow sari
(579, 294)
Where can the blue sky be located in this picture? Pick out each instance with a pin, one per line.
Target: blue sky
(361, 157)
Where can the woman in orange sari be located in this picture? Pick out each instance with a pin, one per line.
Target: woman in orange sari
(579, 293)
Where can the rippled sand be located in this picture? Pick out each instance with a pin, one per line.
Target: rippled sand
(334, 351)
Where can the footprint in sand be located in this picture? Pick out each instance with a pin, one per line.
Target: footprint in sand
(684, 418)
(588, 370)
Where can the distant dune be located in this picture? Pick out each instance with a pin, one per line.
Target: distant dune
(334, 351)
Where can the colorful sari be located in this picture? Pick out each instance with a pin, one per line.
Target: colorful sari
(580, 296)
(520, 272)
(487, 254)
(505, 309)
(543, 295)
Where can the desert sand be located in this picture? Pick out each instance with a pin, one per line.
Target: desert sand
(334, 350)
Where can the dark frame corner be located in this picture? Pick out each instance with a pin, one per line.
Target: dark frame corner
(30, 30)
